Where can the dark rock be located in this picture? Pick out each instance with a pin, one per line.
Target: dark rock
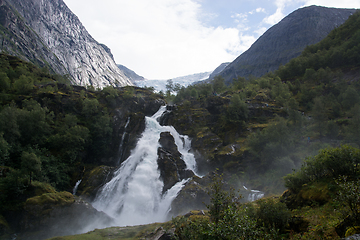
(192, 197)
(93, 180)
(161, 234)
(59, 214)
(172, 167)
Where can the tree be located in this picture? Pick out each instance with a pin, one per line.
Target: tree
(31, 164)
(350, 98)
(319, 115)
(219, 84)
(348, 194)
(23, 85)
(4, 82)
(90, 107)
(237, 111)
(169, 87)
(4, 149)
(220, 200)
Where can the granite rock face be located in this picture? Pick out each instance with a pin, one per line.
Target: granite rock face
(286, 40)
(16, 38)
(47, 33)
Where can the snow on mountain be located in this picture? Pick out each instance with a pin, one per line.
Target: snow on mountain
(160, 85)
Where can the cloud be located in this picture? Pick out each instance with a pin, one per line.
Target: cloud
(161, 39)
(258, 10)
(333, 3)
(279, 13)
(282, 4)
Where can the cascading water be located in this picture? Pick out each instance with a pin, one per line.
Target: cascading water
(76, 186)
(254, 194)
(122, 141)
(134, 195)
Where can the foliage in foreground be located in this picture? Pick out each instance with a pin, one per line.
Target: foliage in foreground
(228, 219)
(270, 218)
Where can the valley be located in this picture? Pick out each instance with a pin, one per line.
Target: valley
(274, 156)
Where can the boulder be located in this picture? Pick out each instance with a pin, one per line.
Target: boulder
(172, 167)
(59, 214)
(93, 180)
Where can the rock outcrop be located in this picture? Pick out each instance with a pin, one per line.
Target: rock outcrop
(48, 34)
(286, 40)
(59, 214)
(172, 167)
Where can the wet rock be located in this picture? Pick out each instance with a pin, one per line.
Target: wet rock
(192, 197)
(93, 180)
(172, 167)
(161, 234)
(59, 214)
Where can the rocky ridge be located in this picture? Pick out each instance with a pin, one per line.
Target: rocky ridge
(47, 33)
(286, 40)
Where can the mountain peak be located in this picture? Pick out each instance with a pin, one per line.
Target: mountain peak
(55, 28)
(286, 40)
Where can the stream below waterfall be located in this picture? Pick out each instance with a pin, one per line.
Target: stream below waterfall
(135, 193)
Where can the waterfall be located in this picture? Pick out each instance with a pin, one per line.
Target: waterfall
(134, 195)
(254, 194)
(122, 142)
(76, 186)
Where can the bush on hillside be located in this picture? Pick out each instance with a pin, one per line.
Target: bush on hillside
(330, 163)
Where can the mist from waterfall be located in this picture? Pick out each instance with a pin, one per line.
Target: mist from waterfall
(134, 195)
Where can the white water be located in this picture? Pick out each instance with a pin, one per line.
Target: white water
(76, 186)
(134, 195)
(254, 194)
(122, 141)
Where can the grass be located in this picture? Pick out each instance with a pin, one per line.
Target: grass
(322, 222)
(123, 233)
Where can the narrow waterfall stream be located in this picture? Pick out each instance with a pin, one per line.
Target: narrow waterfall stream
(134, 195)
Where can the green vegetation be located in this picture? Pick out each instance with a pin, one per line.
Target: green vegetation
(324, 206)
(268, 125)
(297, 128)
(51, 131)
(124, 233)
(228, 219)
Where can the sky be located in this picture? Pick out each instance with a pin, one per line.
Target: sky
(164, 39)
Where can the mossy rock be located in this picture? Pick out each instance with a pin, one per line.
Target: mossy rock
(38, 188)
(57, 198)
(317, 193)
(93, 180)
(352, 231)
(57, 214)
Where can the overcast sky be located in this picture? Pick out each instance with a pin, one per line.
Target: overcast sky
(164, 39)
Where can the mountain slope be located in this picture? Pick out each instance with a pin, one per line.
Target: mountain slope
(286, 40)
(58, 30)
(130, 73)
(18, 39)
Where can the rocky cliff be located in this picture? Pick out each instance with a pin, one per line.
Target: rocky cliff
(286, 40)
(130, 73)
(48, 34)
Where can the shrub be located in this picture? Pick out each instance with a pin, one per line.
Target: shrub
(330, 163)
(272, 214)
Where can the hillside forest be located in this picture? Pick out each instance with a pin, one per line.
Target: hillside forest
(293, 133)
